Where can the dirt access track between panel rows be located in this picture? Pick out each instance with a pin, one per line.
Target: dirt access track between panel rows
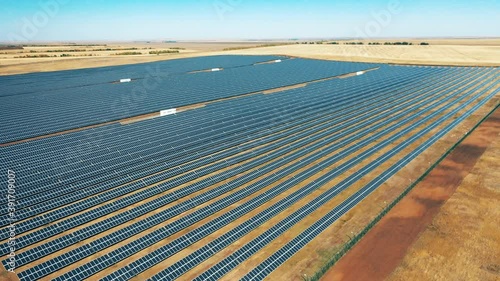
(383, 248)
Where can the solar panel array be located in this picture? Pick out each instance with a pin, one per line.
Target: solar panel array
(56, 110)
(91, 199)
(35, 83)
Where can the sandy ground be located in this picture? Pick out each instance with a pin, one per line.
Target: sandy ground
(436, 256)
(7, 276)
(466, 52)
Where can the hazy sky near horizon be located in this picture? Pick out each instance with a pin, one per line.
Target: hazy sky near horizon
(124, 20)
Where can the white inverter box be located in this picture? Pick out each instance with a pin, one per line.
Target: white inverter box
(168, 112)
(125, 80)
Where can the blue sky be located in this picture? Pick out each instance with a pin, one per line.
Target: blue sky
(87, 20)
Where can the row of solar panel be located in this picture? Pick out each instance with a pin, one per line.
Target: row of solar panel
(44, 204)
(150, 137)
(151, 239)
(55, 173)
(51, 195)
(101, 131)
(84, 106)
(266, 237)
(185, 264)
(288, 250)
(81, 116)
(135, 227)
(33, 83)
(37, 186)
(145, 262)
(79, 218)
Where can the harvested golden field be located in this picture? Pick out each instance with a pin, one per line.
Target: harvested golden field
(53, 57)
(453, 55)
(457, 52)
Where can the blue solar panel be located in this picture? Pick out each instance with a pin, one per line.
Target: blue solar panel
(63, 109)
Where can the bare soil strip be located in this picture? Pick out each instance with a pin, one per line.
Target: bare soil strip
(383, 248)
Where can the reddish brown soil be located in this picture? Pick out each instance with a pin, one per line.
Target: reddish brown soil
(385, 246)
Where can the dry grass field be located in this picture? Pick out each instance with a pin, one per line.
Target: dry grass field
(454, 55)
(88, 55)
(457, 52)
